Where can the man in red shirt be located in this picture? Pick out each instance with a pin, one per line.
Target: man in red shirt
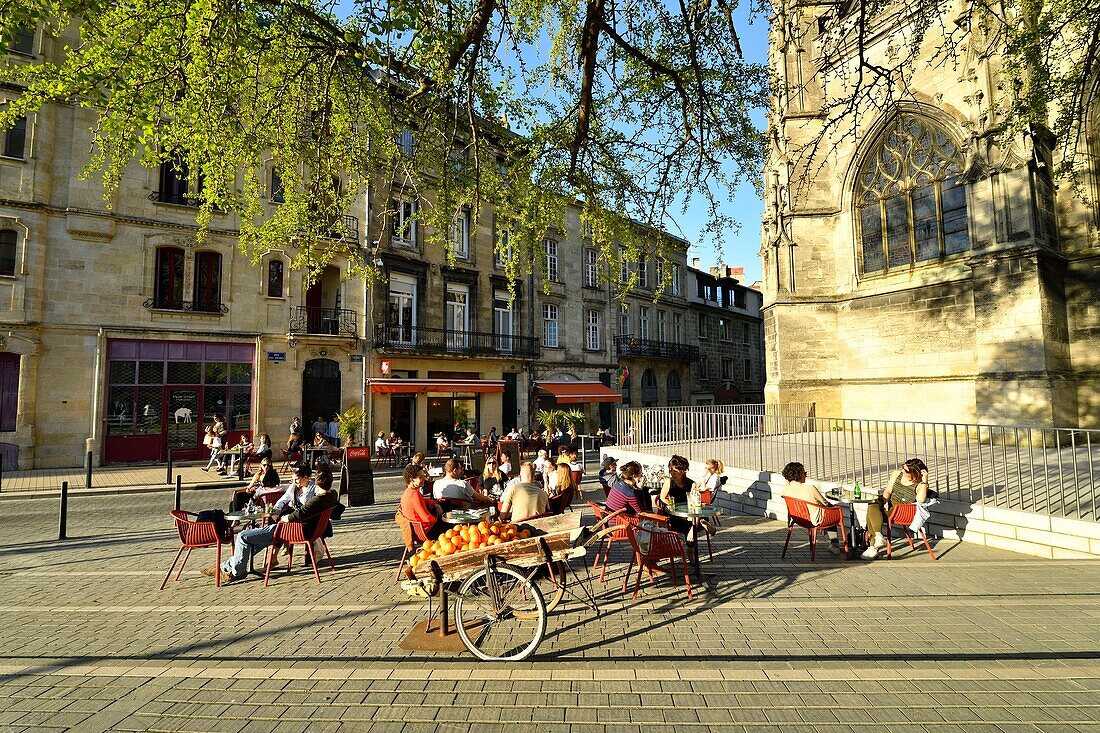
(416, 507)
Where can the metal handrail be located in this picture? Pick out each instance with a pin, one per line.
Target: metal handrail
(1053, 471)
(324, 321)
(448, 341)
(186, 305)
(633, 346)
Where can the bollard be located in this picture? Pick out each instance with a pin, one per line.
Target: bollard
(1, 471)
(240, 465)
(88, 470)
(64, 510)
(179, 490)
(168, 475)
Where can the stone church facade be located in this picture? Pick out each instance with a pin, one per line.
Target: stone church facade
(915, 268)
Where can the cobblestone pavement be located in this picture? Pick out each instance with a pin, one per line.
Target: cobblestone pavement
(979, 640)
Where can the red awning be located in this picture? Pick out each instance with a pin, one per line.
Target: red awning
(424, 386)
(578, 392)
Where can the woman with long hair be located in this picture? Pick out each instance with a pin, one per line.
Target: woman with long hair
(907, 486)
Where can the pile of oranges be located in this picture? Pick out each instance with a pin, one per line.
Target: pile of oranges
(471, 537)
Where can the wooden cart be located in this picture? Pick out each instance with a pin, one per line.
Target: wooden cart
(500, 591)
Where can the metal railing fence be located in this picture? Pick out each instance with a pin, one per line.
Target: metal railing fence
(1052, 471)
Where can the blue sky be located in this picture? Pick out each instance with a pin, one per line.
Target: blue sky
(736, 247)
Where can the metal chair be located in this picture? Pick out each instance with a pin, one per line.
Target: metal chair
(798, 513)
(194, 535)
(662, 546)
(903, 515)
(293, 533)
(418, 535)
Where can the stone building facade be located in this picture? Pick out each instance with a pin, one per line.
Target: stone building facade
(728, 326)
(917, 269)
(634, 344)
(123, 334)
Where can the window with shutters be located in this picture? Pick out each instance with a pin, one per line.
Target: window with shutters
(9, 391)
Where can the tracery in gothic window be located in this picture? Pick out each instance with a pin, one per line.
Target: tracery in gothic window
(910, 203)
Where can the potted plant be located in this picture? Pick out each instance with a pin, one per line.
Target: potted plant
(352, 421)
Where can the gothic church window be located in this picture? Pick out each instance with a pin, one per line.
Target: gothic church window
(910, 203)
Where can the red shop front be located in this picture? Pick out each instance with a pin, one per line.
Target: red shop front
(160, 395)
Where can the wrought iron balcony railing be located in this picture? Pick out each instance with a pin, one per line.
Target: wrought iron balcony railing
(173, 197)
(343, 227)
(324, 321)
(185, 305)
(445, 341)
(632, 346)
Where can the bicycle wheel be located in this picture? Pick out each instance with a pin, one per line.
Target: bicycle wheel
(551, 583)
(500, 614)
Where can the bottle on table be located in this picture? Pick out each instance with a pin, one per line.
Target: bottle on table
(856, 493)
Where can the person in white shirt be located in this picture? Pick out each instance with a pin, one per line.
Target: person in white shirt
(541, 463)
(455, 490)
(381, 446)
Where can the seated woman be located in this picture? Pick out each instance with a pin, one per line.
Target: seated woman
(799, 488)
(262, 448)
(676, 489)
(609, 471)
(442, 445)
(560, 479)
(907, 486)
(627, 492)
(493, 479)
(242, 450)
(419, 508)
(713, 479)
(266, 478)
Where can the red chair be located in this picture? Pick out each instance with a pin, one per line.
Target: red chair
(293, 533)
(798, 513)
(621, 524)
(268, 497)
(662, 546)
(419, 537)
(558, 504)
(193, 535)
(903, 515)
(291, 458)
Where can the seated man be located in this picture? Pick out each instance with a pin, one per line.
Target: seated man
(523, 498)
(454, 492)
(300, 491)
(251, 541)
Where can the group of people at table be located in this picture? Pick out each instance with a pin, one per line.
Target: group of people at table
(908, 485)
(538, 481)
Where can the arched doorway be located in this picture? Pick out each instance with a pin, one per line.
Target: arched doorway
(320, 392)
(649, 388)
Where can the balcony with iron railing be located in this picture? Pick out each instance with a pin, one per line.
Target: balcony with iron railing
(341, 322)
(633, 346)
(343, 227)
(168, 304)
(418, 339)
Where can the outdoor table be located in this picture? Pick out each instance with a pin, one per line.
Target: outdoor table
(857, 539)
(313, 453)
(241, 453)
(704, 512)
(254, 519)
(457, 516)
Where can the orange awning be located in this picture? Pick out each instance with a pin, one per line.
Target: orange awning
(578, 392)
(424, 386)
